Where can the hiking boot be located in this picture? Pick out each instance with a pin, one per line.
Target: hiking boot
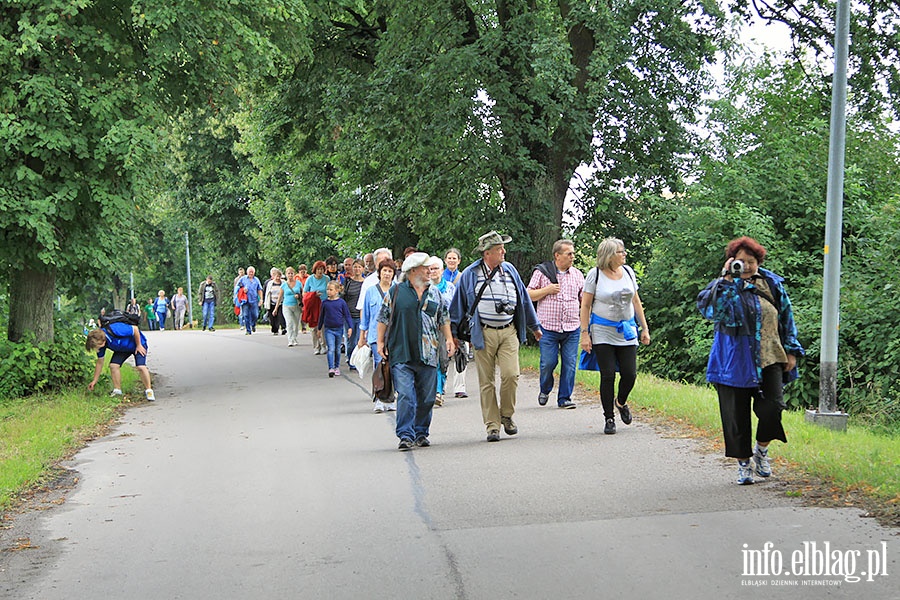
(745, 474)
(610, 427)
(493, 435)
(508, 426)
(542, 399)
(761, 460)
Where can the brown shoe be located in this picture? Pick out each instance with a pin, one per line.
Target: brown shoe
(493, 435)
(508, 426)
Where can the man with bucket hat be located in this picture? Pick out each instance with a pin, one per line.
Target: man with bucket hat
(492, 300)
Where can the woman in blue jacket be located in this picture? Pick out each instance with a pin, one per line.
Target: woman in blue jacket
(754, 353)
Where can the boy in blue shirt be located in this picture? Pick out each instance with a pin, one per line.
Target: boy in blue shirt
(124, 340)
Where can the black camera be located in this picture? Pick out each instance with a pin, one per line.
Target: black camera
(736, 268)
(504, 307)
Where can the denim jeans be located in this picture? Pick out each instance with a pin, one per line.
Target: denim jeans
(209, 313)
(415, 385)
(161, 319)
(249, 315)
(333, 337)
(554, 344)
(353, 339)
(376, 358)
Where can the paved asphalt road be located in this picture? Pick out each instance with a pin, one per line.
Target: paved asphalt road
(256, 476)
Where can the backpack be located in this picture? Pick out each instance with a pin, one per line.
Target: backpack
(118, 316)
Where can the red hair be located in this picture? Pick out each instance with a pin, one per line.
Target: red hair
(319, 264)
(748, 245)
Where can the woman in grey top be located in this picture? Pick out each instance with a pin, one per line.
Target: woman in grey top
(611, 311)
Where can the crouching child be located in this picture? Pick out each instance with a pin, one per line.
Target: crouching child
(124, 340)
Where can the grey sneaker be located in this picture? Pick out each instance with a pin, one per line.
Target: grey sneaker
(761, 460)
(542, 399)
(508, 426)
(745, 473)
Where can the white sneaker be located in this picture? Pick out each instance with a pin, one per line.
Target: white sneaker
(115, 392)
(379, 406)
(150, 396)
(745, 473)
(390, 406)
(761, 459)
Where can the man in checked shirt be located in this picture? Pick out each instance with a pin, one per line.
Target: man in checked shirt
(556, 287)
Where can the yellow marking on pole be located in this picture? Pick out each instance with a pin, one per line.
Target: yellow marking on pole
(826, 248)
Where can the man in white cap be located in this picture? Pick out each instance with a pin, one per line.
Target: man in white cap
(492, 299)
(414, 313)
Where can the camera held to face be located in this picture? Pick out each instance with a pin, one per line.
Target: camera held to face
(736, 268)
(504, 307)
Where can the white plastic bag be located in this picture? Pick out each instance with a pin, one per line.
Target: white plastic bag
(362, 360)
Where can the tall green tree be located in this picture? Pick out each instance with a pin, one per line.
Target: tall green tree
(86, 91)
(411, 112)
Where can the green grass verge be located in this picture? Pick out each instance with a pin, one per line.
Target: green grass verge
(39, 431)
(858, 459)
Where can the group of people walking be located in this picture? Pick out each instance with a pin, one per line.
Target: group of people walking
(420, 319)
(157, 310)
(417, 320)
(423, 319)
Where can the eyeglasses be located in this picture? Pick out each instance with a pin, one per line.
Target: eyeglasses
(621, 251)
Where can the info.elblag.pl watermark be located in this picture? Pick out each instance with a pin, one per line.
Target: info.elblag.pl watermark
(812, 564)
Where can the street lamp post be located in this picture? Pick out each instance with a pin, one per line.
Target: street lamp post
(828, 413)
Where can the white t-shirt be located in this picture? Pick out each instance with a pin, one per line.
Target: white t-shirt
(613, 302)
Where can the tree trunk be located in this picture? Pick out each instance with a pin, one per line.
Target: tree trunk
(31, 294)
(533, 224)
